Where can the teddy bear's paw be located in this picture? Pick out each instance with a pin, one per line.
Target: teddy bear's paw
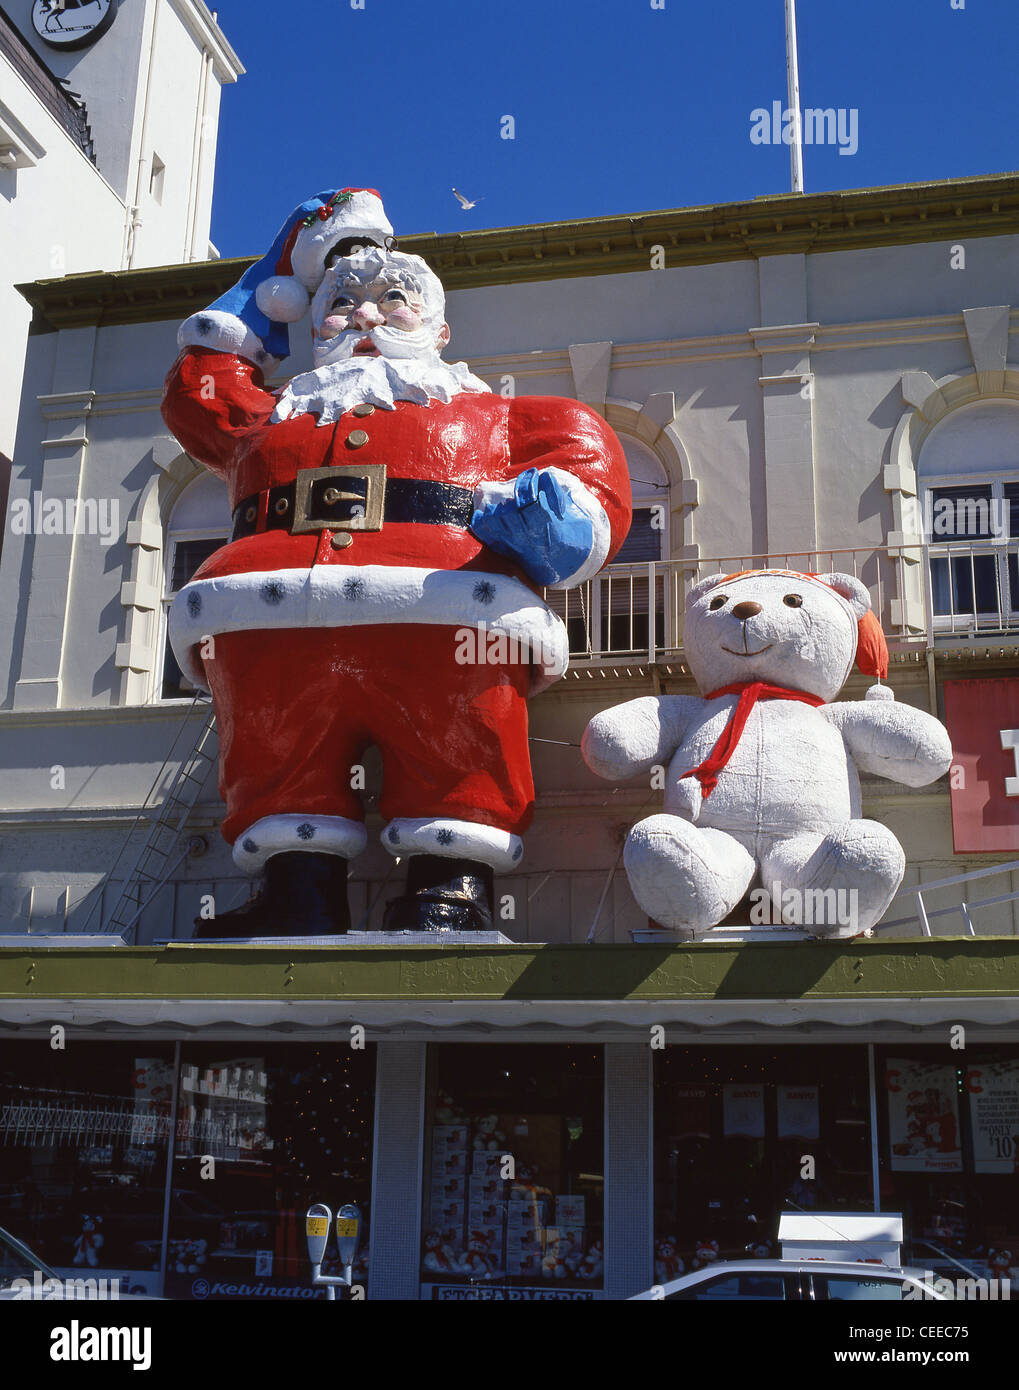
(837, 885)
(684, 877)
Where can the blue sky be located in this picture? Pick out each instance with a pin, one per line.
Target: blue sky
(618, 107)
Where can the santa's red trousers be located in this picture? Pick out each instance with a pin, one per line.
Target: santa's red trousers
(295, 711)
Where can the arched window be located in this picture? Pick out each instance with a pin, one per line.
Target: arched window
(968, 475)
(611, 614)
(199, 524)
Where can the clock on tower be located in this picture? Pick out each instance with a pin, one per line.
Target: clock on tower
(67, 24)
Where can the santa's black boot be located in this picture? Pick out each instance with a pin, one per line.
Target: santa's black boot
(302, 894)
(450, 894)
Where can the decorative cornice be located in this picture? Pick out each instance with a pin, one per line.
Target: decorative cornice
(779, 224)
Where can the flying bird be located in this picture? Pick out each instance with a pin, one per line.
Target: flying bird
(465, 203)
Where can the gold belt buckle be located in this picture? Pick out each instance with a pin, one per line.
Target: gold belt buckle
(367, 518)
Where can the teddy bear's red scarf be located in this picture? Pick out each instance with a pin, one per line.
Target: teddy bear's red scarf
(749, 693)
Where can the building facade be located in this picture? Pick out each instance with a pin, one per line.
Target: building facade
(107, 147)
(818, 383)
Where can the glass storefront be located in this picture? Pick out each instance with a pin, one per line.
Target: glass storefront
(262, 1134)
(514, 1170)
(948, 1128)
(263, 1131)
(512, 1166)
(83, 1132)
(745, 1133)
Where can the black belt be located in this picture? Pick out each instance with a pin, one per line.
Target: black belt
(354, 499)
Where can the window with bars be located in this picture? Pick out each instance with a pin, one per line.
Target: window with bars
(972, 534)
(610, 614)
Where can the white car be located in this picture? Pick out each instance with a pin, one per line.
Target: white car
(24, 1276)
(799, 1281)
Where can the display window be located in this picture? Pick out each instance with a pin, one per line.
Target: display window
(743, 1134)
(513, 1172)
(262, 1133)
(949, 1155)
(83, 1139)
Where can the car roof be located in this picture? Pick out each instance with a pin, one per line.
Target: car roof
(894, 1272)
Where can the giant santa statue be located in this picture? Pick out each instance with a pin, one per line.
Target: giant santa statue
(384, 504)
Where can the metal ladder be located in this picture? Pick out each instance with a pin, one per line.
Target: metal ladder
(156, 861)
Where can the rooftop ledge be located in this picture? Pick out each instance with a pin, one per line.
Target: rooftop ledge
(941, 968)
(775, 224)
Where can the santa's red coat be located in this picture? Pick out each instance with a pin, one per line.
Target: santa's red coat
(218, 409)
(216, 406)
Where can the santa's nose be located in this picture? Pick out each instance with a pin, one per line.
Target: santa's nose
(746, 610)
(367, 316)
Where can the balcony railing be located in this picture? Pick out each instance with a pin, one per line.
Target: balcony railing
(973, 588)
(920, 594)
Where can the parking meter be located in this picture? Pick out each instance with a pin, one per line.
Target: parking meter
(348, 1236)
(316, 1229)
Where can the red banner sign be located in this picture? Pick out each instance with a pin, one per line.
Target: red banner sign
(983, 723)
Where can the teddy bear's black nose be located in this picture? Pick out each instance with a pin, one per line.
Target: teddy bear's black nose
(746, 610)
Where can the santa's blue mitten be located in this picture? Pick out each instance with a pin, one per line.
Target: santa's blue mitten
(548, 521)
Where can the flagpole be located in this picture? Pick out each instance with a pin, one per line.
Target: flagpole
(793, 83)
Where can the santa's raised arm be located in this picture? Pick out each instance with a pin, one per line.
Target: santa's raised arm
(384, 502)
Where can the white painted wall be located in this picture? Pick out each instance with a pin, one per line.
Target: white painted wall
(59, 217)
(151, 85)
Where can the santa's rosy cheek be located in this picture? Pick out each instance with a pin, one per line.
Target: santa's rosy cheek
(332, 325)
(403, 316)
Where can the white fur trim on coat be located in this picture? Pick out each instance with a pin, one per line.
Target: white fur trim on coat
(312, 834)
(367, 595)
(222, 332)
(453, 839)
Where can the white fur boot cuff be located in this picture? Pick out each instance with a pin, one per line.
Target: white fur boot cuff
(285, 833)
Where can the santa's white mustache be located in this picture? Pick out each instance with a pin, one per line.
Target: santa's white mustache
(391, 342)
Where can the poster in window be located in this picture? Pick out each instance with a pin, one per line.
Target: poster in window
(798, 1112)
(993, 1089)
(691, 1112)
(923, 1116)
(743, 1111)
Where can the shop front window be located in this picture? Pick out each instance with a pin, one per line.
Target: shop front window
(262, 1133)
(742, 1135)
(83, 1134)
(949, 1154)
(514, 1172)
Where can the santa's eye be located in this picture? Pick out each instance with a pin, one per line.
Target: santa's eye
(718, 602)
(394, 297)
(342, 301)
(793, 601)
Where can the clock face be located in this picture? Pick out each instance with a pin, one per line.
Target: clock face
(71, 23)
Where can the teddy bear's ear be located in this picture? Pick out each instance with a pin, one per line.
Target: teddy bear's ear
(851, 589)
(703, 586)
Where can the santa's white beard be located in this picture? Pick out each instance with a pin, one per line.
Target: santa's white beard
(330, 390)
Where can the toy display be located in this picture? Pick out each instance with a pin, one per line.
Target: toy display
(762, 769)
(440, 1258)
(481, 1261)
(487, 1135)
(668, 1264)
(593, 1263)
(387, 504)
(482, 1226)
(89, 1242)
(706, 1253)
(559, 1261)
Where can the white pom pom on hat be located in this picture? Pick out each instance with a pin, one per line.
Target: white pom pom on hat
(282, 298)
(353, 212)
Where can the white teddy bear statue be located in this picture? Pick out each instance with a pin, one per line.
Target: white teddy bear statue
(762, 776)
